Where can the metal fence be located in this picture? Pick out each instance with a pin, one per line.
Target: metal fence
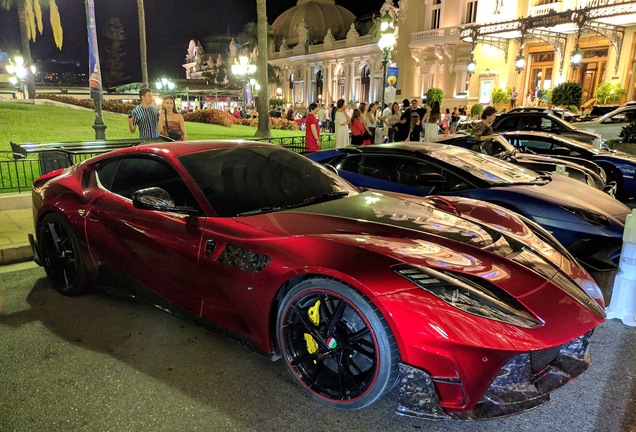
(17, 173)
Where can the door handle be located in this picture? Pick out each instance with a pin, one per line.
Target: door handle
(210, 245)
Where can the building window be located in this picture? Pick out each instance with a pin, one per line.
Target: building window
(471, 12)
(437, 14)
(365, 81)
(341, 85)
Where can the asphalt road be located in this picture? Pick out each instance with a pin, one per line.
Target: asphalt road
(103, 362)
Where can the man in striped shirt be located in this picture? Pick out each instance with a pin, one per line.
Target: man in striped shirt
(146, 116)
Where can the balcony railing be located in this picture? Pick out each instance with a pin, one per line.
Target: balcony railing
(436, 36)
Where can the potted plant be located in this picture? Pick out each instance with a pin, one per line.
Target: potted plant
(476, 110)
(608, 93)
(567, 93)
(434, 94)
(500, 97)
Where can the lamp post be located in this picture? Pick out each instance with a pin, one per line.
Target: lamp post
(576, 57)
(386, 42)
(18, 71)
(520, 62)
(165, 85)
(243, 69)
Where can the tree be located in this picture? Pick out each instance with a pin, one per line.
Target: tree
(30, 16)
(142, 41)
(263, 129)
(113, 65)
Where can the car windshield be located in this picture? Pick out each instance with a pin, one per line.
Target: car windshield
(492, 170)
(246, 180)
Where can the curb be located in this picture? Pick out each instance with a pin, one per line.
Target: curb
(17, 252)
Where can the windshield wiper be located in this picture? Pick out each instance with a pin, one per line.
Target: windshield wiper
(307, 201)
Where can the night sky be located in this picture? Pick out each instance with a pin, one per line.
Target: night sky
(170, 25)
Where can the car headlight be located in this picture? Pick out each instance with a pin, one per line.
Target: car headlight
(477, 297)
(589, 216)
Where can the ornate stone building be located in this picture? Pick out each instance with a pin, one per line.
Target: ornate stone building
(326, 54)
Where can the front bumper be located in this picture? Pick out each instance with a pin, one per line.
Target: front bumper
(525, 382)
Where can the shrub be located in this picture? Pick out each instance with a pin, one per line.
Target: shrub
(476, 110)
(608, 93)
(628, 133)
(212, 116)
(572, 108)
(567, 93)
(434, 94)
(500, 95)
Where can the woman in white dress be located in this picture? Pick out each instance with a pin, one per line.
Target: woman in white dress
(342, 124)
(432, 123)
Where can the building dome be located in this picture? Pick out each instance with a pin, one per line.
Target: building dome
(318, 15)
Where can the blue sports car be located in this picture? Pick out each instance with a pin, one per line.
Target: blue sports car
(585, 220)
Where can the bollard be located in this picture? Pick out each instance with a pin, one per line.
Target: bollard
(623, 302)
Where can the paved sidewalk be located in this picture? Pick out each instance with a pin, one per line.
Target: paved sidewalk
(16, 222)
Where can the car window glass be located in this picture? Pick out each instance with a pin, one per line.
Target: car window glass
(350, 163)
(508, 124)
(535, 144)
(106, 173)
(530, 123)
(248, 178)
(134, 173)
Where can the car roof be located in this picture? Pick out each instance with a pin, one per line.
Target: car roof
(544, 135)
(180, 148)
(397, 148)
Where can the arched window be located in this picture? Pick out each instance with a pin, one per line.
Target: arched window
(365, 81)
(319, 86)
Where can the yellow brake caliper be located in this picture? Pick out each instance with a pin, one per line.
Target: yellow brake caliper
(314, 316)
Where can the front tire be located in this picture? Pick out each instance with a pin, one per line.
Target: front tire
(61, 256)
(336, 344)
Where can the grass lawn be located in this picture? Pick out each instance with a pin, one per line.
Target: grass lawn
(25, 122)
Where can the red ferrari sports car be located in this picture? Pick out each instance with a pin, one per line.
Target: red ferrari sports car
(470, 310)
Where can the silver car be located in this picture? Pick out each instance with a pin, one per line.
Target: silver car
(611, 124)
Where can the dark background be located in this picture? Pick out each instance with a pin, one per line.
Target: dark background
(170, 25)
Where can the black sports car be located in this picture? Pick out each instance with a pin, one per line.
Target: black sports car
(582, 170)
(541, 122)
(620, 167)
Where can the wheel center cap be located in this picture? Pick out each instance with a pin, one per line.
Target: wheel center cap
(332, 343)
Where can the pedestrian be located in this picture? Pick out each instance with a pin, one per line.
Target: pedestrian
(514, 94)
(483, 130)
(322, 116)
(172, 124)
(358, 128)
(446, 120)
(145, 116)
(432, 123)
(538, 95)
(370, 121)
(332, 118)
(454, 121)
(312, 129)
(341, 122)
(290, 114)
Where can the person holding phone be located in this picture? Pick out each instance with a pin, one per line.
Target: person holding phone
(145, 116)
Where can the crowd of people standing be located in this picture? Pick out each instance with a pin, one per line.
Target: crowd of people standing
(369, 123)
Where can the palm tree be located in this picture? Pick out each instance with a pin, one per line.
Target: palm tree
(31, 9)
(263, 129)
(142, 41)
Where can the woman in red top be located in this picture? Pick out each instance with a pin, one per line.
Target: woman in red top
(357, 128)
(312, 129)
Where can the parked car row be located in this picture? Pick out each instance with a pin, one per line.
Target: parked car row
(604, 121)
(457, 279)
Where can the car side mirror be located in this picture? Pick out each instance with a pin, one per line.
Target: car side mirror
(429, 179)
(156, 198)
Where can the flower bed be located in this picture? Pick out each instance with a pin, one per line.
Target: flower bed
(107, 105)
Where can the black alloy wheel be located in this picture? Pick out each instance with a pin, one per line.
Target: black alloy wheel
(336, 344)
(61, 256)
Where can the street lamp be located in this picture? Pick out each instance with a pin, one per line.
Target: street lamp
(520, 62)
(576, 57)
(471, 66)
(164, 84)
(243, 69)
(18, 71)
(386, 42)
